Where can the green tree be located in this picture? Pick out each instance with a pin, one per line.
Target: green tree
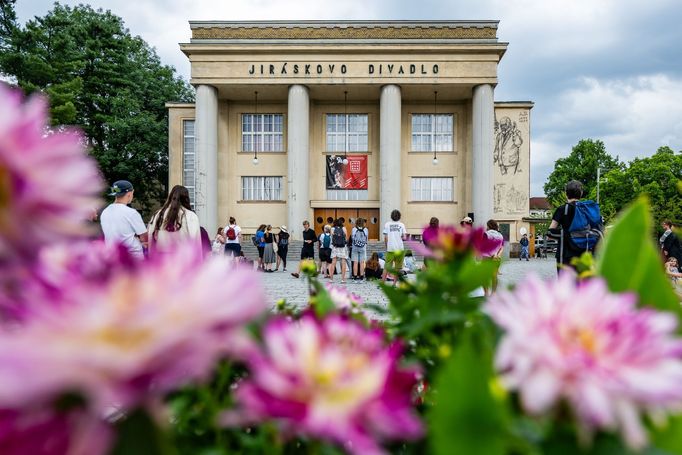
(656, 176)
(104, 80)
(582, 164)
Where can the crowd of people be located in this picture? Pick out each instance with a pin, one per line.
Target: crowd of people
(339, 252)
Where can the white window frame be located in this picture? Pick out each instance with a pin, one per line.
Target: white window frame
(352, 136)
(347, 195)
(426, 138)
(189, 156)
(432, 189)
(265, 131)
(262, 188)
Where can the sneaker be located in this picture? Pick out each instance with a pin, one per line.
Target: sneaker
(294, 274)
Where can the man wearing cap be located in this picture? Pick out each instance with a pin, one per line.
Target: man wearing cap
(123, 224)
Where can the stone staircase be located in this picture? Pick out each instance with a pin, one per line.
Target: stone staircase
(294, 253)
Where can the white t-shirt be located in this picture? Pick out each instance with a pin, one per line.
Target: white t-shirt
(166, 240)
(237, 231)
(395, 231)
(121, 224)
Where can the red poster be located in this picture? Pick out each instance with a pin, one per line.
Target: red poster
(351, 175)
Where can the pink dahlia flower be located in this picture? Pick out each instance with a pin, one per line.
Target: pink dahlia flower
(333, 379)
(138, 333)
(609, 360)
(449, 242)
(48, 184)
(344, 300)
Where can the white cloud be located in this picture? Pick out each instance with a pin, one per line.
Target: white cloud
(634, 117)
(605, 69)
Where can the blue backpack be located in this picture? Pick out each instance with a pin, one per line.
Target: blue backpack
(587, 227)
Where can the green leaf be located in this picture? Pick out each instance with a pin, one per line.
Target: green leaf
(321, 302)
(629, 260)
(476, 274)
(466, 418)
(138, 434)
(669, 437)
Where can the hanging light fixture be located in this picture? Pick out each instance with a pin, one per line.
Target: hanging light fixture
(435, 126)
(255, 122)
(345, 122)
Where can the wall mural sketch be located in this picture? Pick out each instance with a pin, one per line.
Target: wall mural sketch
(509, 199)
(511, 167)
(508, 142)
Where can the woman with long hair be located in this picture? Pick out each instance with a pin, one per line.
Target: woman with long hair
(373, 268)
(174, 223)
(282, 246)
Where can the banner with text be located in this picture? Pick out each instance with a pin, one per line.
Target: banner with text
(351, 175)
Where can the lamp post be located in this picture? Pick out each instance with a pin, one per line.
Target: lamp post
(253, 126)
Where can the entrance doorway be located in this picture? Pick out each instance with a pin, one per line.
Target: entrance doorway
(327, 216)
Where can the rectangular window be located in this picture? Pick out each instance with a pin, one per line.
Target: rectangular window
(263, 132)
(347, 195)
(262, 189)
(432, 189)
(347, 132)
(429, 135)
(188, 158)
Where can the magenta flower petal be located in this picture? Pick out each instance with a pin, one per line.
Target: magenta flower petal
(595, 350)
(48, 184)
(137, 332)
(449, 242)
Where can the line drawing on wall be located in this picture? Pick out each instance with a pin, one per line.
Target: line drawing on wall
(508, 141)
(509, 200)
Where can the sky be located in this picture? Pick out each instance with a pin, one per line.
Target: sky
(599, 69)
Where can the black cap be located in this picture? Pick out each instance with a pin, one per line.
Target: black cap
(121, 187)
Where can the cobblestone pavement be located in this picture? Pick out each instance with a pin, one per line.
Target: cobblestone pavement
(282, 285)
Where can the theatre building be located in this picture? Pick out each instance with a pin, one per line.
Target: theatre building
(309, 120)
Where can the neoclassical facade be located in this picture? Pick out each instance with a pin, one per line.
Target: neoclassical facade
(310, 120)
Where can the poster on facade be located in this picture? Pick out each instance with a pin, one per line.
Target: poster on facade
(351, 175)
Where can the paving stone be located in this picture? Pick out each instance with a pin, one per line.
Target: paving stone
(282, 285)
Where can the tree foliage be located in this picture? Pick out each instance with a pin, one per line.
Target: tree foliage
(102, 79)
(656, 176)
(582, 164)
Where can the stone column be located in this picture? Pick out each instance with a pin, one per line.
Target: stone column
(206, 149)
(483, 119)
(298, 156)
(390, 106)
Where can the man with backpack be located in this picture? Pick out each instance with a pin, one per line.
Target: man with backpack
(325, 252)
(359, 252)
(232, 234)
(577, 224)
(339, 250)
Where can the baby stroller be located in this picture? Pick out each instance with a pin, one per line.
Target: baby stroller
(541, 249)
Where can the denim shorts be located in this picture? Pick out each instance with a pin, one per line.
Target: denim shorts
(358, 254)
